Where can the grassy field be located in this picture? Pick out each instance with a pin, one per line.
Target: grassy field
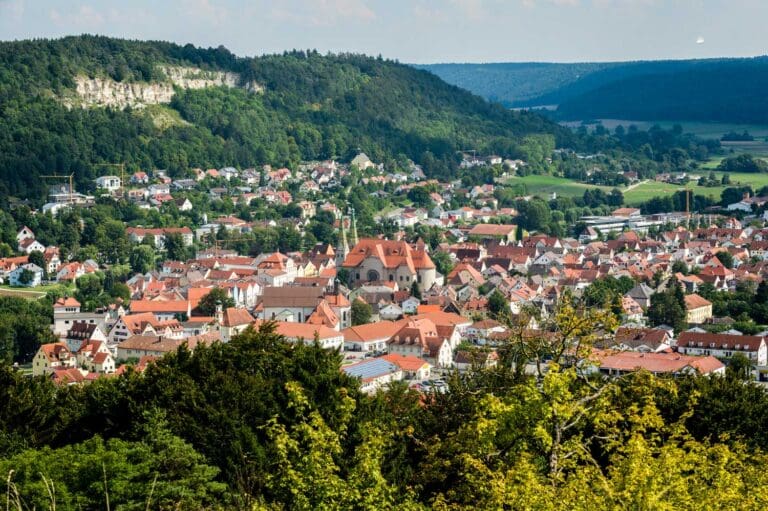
(546, 185)
(706, 130)
(701, 129)
(35, 293)
(543, 186)
(652, 189)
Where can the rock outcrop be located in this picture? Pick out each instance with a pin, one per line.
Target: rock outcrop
(111, 93)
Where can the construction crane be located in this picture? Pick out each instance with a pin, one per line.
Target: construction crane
(71, 184)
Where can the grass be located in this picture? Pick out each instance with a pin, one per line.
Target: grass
(544, 185)
(701, 129)
(32, 293)
(652, 189)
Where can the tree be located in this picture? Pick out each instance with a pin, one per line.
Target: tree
(160, 471)
(26, 277)
(415, 291)
(361, 312)
(89, 290)
(36, 257)
(443, 262)
(726, 258)
(498, 304)
(175, 249)
(142, 258)
(112, 241)
(668, 307)
(217, 296)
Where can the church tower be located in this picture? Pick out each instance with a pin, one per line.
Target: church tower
(342, 249)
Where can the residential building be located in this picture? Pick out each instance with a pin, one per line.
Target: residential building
(698, 309)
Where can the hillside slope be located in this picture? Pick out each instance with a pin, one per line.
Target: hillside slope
(276, 109)
(709, 89)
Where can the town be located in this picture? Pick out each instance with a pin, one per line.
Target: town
(449, 279)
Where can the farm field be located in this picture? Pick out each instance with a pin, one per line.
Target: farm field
(701, 129)
(646, 191)
(543, 185)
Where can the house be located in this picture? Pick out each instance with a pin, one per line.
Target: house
(503, 232)
(81, 333)
(24, 233)
(372, 337)
(26, 275)
(109, 183)
(139, 178)
(289, 303)
(466, 360)
(163, 309)
(52, 356)
(29, 245)
(414, 368)
(362, 162)
(674, 364)
(94, 356)
(232, 321)
(137, 235)
(139, 346)
(644, 340)
(52, 260)
(723, 345)
(390, 311)
(306, 333)
(183, 204)
(420, 338)
(641, 293)
(698, 309)
(374, 374)
(374, 260)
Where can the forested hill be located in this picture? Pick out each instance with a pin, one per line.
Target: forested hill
(277, 109)
(710, 89)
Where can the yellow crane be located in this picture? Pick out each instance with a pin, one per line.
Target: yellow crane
(71, 184)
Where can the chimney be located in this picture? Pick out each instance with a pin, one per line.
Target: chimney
(745, 195)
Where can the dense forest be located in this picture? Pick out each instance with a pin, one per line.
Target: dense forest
(259, 423)
(727, 90)
(314, 106)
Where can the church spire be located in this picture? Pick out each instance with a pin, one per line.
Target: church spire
(354, 239)
(343, 247)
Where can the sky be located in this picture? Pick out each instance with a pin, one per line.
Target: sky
(417, 31)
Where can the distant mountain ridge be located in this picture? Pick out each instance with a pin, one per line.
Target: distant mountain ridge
(728, 90)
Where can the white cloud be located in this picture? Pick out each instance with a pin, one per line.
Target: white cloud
(323, 12)
(12, 9)
(205, 10)
(84, 16)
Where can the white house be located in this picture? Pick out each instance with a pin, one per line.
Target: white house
(26, 275)
(109, 183)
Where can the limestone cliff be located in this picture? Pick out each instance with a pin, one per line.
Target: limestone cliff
(99, 91)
